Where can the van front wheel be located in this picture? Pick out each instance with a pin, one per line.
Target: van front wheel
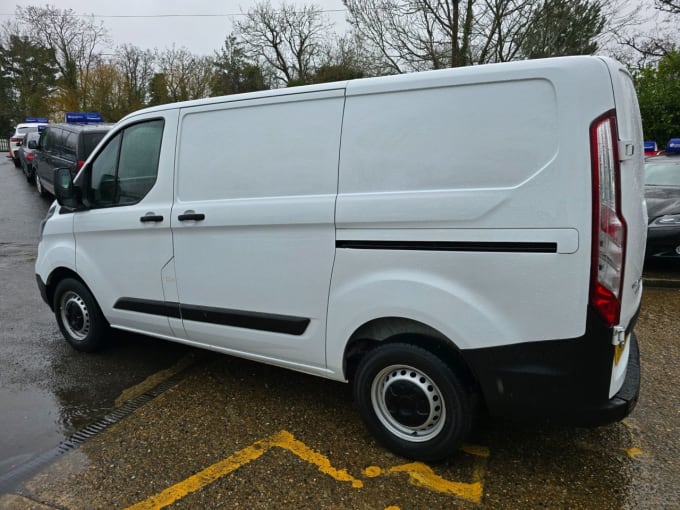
(412, 402)
(79, 317)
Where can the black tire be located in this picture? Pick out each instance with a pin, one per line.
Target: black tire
(17, 162)
(79, 317)
(427, 412)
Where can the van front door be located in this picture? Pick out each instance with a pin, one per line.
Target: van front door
(123, 239)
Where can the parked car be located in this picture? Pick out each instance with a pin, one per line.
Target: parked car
(65, 146)
(662, 192)
(27, 154)
(31, 125)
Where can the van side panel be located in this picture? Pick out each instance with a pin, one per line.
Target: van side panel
(492, 164)
(253, 275)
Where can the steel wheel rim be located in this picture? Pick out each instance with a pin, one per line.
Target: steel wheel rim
(75, 316)
(408, 403)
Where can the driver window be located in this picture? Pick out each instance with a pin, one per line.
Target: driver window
(102, 190)
(126, 169)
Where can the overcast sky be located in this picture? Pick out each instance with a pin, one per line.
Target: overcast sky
(199, 25)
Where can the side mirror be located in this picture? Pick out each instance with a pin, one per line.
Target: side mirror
(65, 192)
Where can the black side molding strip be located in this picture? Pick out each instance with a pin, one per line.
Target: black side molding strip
(164, 308)
(475, 246)
(274, 323)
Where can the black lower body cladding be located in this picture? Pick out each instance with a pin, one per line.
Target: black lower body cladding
(561, 381)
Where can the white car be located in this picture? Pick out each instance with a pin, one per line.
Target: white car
(19, 133)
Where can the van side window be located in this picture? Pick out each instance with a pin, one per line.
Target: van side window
(126, 169)
(138, 163)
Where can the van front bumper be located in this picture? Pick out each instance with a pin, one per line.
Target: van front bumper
(559, 381)
(43, 290)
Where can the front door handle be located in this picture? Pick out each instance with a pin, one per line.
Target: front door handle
(151, 217)
(191, 216)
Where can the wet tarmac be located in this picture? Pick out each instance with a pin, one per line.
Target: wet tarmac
(230, 433)
(47, 390)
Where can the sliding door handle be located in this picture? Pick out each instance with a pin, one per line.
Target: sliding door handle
(191, 216)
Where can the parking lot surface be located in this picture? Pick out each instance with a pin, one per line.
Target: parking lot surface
(210, 431)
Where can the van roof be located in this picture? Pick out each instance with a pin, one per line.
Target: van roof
(75, 127)
(440, 77)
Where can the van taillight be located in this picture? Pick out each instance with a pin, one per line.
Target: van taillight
(15, 139)
(609, 227)
(80, 164)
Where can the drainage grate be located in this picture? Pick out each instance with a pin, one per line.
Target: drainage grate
(9, 481)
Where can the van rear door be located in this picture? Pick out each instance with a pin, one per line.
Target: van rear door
(631, 156)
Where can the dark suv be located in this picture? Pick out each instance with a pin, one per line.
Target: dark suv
(64, 146)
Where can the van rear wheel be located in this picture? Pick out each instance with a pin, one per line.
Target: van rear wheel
(79, 316)
(412, 402)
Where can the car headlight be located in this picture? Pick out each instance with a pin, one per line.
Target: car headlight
(668, 220)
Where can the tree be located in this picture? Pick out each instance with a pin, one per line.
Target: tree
(28, 76)
(107, 91)
(672, 6)
(158, 90)
(647, 47)
(563, 28)
(288, 40)
(136, 67)
(658, 89)
(75, 42)
(234, 73)
(186, 76)
(414, 35)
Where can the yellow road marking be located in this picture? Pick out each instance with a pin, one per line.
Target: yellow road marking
(281, 439)
(632, 452)
(421, 475)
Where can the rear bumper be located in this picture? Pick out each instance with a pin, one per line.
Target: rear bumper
(560, 381)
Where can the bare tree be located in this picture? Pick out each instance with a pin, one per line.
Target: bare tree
(76, 42)
(642, 47)
(289, 40)
(672, 6)
(137, 68)
(412, 35)
(186, 76)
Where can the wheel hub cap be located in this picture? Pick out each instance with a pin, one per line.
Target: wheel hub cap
(75, 316)
(408, 403)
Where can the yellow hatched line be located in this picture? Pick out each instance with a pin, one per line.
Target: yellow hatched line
(281, 439)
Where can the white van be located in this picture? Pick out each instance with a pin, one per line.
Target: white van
(446, 241)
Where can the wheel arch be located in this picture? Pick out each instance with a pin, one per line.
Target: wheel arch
(58, 275)
(380, 331)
